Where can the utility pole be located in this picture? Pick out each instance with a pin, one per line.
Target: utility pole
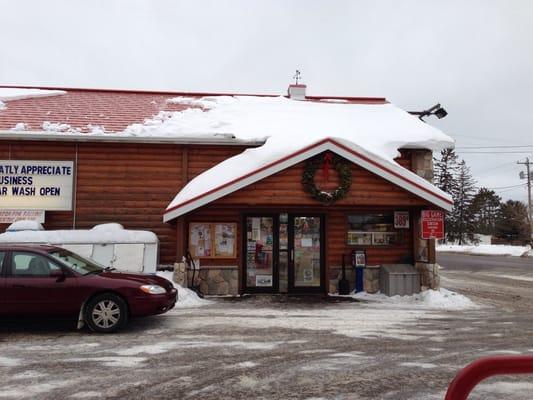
(528, 177)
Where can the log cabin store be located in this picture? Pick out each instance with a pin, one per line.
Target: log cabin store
(266, 193)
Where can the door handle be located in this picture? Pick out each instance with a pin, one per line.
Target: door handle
(19, 286)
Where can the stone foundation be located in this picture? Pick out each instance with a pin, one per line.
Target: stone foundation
(180, 274)
(429, 275)
(216, 281)
(370, 279)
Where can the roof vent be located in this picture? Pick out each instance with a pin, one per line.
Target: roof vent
(297, 92)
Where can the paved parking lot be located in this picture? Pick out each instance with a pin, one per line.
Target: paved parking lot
(277, 349)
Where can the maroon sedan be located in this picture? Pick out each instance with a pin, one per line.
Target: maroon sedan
(51, 281)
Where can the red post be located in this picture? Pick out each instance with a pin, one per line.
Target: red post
(475, 372)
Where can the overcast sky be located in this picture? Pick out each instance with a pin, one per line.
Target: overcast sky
(474, 57)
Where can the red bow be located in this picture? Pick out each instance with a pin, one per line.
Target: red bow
(326, 164)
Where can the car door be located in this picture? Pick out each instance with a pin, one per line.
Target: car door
(37, 285)
(2, 282)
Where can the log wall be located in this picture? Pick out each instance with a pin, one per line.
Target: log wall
(128, 183)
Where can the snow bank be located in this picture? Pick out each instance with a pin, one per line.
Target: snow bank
(442, 299)
(105, 233)
(486, 249)
(186, 297)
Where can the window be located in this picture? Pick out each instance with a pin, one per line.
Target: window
(371, 230)
(31, 265)
(213, 240)
(76, 262)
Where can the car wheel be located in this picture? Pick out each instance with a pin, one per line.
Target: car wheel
(106, 313)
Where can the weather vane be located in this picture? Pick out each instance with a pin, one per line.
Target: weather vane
(297, 76)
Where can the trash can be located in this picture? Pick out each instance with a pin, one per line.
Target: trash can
(399, 279)
(359, 275)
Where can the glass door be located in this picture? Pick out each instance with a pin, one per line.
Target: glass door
(306, 266)
(261, 274)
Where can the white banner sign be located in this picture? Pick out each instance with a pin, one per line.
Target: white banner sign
(36, 185)
(10, 216)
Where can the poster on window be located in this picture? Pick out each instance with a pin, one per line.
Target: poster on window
(225, 245)
(200, 239)
(263, 280)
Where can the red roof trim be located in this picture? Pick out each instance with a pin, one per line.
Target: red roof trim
(247, 175)
(392, 172)
(294, 155)
(197, 94)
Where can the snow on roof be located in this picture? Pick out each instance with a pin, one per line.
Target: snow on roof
(381, 128)
(258, 163)
(294, 131)
(104, 233)
(25, 225)
(7, 94)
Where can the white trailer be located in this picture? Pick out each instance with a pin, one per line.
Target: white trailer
(109, 244)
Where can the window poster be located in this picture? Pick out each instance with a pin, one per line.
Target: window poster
(213, 240)
(200, 239)
(263, 280)
(308, 275)
(379, 238)
(225, 240)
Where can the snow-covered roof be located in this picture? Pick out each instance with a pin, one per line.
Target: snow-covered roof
(109, 115)
(367, 134)
(8, 94)
(380, 128)
(365, 128)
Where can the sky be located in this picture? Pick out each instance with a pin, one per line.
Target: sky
(474, 57)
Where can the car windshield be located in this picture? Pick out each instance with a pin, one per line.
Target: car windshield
(79, 264)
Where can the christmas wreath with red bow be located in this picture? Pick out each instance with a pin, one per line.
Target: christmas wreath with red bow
(326, 161)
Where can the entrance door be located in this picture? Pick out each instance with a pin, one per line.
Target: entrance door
(261, 250)
(306, 249)
(283, 253)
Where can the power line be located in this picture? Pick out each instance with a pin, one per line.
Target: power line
(496, 152)
(507, 190)
(507, 187)
(495, 147)
(484, 172)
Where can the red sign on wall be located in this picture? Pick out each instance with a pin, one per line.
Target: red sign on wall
(432, 224)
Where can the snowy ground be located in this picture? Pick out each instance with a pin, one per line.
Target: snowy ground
(269, 348)
(487, 249)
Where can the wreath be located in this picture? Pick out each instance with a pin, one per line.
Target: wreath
(326, 161)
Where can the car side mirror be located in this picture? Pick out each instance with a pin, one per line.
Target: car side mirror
(58, 274)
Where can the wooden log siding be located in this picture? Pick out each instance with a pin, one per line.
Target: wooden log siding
(283, 192)
(128, 183)
(133, 183)
(285, 189)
